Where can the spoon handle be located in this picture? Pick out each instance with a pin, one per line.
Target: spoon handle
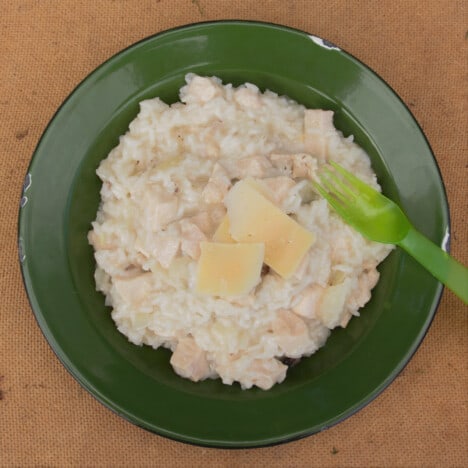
(438, 262)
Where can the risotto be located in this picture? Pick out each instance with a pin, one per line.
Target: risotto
(165, 194)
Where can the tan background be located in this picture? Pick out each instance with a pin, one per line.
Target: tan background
(47, 47)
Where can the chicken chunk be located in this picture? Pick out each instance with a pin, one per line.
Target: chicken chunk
(165, 249)
(362, 294)
(102, 241)
(304, 165)
(291, 334)
(248, 97)
(310, 301)
(332, 310)
(253, 166)
(249, 371)
(343, 245)
(111, 261)
(133, 290)
(203, 221)
(191, 236)
(189, 361)
(201, 90)
(345, 318)
(217, 213)
(210, 137)
(283, 162)
(218, 185)
(318, 125)
(267, 372)
(295, 165)
(160, 209)
(278, 188)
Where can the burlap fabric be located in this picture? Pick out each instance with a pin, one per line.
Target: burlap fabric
(47, 47)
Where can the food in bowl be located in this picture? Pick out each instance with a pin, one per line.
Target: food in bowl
(210, 241)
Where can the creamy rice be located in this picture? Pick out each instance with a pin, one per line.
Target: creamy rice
(163, 193)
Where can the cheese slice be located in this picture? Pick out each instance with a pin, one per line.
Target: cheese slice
(254, 218)
(229, 269)
(222, 233)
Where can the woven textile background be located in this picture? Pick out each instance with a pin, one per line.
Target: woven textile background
(420, 47)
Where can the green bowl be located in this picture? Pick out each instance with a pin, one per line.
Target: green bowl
(61, 196)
